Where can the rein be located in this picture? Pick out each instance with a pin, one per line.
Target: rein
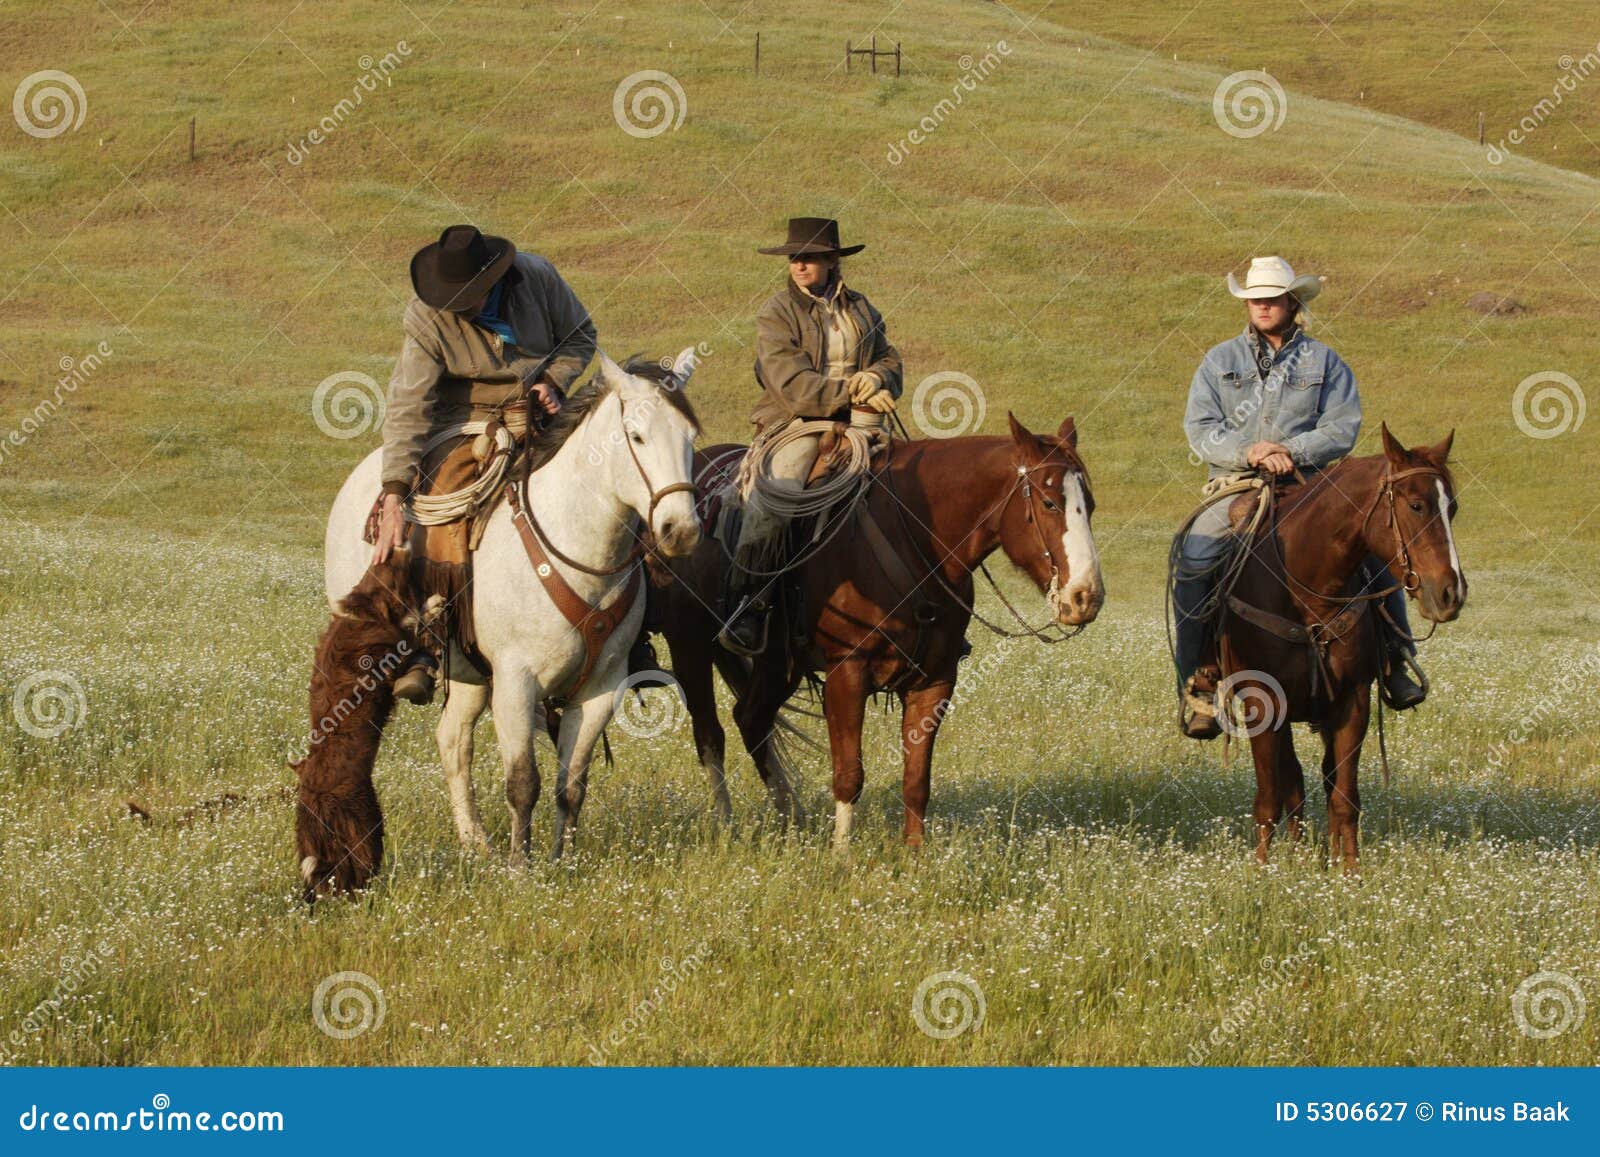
(1024, 484)
(639, 547)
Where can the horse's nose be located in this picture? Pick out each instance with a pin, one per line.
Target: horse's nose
(679, 536)
(1084, 600)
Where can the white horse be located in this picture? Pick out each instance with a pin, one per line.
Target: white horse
(625, 462)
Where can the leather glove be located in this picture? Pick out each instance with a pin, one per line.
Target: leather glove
(863, 385)
(882, 401)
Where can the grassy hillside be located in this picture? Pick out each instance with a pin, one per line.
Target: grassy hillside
(1060, 235)
(1437, 63)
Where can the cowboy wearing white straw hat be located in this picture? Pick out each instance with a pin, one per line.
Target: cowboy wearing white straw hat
(1274, 400)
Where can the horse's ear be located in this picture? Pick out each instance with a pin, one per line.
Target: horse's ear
(1395, 452)
(683, 366)
(609, 371)
(1440, 454)
(1068, 432)
(1020, 434)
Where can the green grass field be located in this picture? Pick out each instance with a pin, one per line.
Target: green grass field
(1060, 236)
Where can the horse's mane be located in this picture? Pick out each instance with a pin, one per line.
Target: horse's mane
(583, 401)
(1299, 496)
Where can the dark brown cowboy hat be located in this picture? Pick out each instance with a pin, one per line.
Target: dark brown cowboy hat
(459, 268)
(814, 237)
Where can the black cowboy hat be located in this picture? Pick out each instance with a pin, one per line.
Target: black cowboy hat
(459, 268)
(814, 237)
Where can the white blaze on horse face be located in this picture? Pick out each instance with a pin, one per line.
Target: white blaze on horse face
(1082, 559)
(1450, 538)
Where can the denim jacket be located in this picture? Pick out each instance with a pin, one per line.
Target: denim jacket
(1306, 400)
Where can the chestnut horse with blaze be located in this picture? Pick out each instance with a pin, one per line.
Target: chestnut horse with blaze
(1299, 646)
(873, 623)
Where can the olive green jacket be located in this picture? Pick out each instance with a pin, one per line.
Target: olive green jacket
(791, 348)
(451, 370)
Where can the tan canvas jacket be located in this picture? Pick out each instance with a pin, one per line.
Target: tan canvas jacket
(450, 370)
(791, 353)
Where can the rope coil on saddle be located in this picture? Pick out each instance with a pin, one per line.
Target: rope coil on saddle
(438, 509)
(789, 500)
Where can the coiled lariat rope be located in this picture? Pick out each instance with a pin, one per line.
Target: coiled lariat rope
(789, 500)
(438, 509)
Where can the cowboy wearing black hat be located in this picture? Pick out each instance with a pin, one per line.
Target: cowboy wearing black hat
(820, 348)
(490, 332)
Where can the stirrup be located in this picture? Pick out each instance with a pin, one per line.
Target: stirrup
(750, 609)
(416, 684)
(1404, 663)
(1199, 718)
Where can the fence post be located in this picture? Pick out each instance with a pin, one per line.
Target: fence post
(1480, 130)
(897, 58)
(758, 54)
(874, 53)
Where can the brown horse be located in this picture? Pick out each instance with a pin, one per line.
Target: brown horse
(886, 604)
(1297, 647)
(338, 823)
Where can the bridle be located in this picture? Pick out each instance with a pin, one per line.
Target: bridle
(1409, 579)
(640, 546)
(1051, 632)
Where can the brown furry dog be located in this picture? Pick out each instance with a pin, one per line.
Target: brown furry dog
(369, 641)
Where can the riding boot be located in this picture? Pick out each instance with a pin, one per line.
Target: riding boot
(416, 683)
(642, 656)
(1197, 678)
(1403, 685)
(1201, 715)
(1400, 690)
(745, 632)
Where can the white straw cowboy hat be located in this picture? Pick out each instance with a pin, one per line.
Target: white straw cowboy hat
(1271, 276)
